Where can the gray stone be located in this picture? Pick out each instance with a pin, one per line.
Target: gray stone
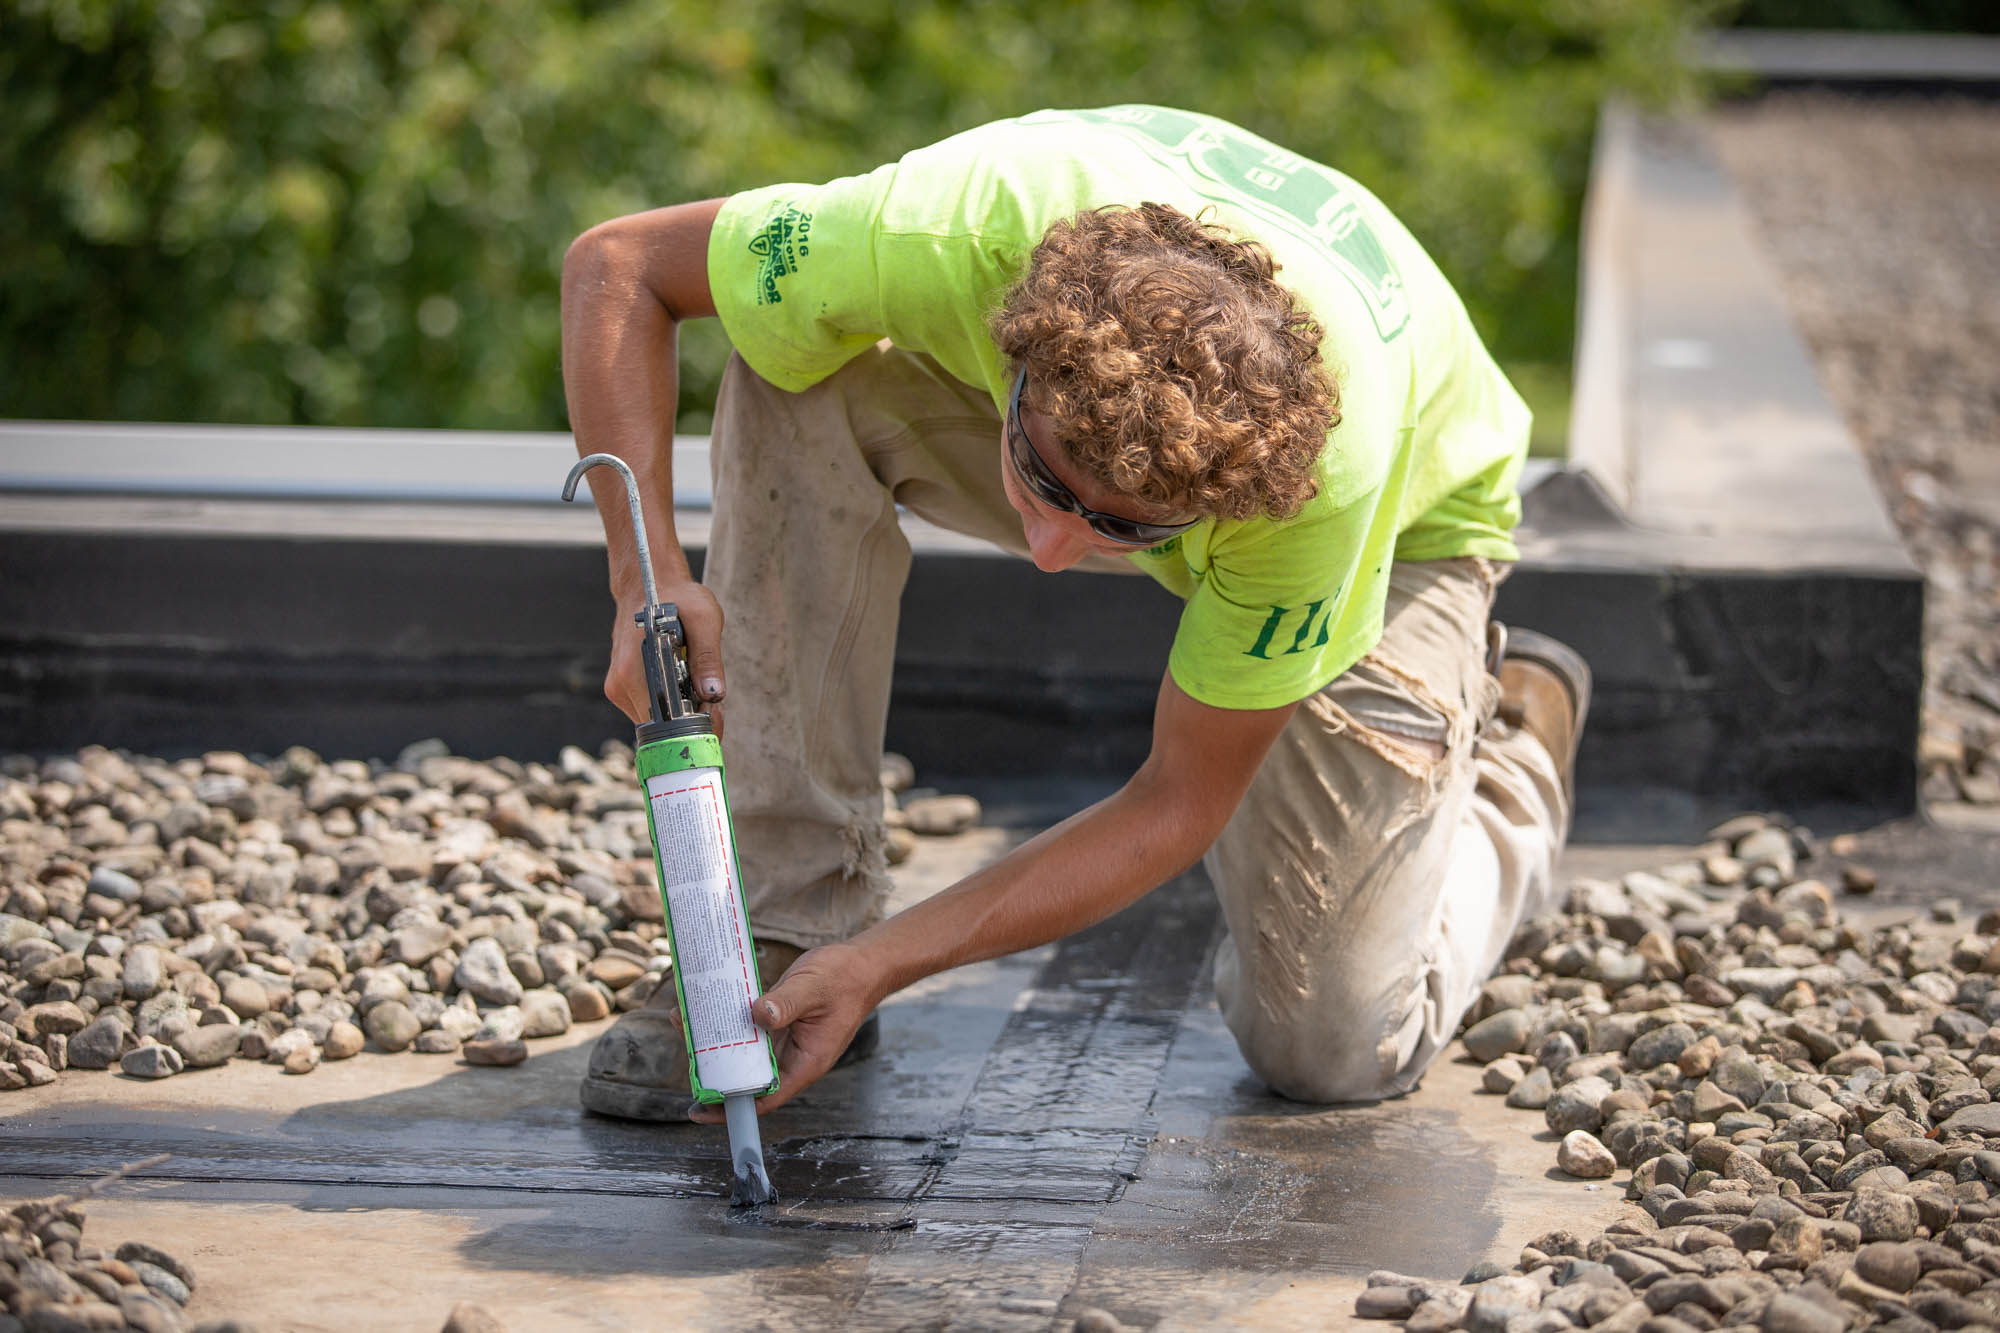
(82, 1317)
(495, 1051)
(482, 969)
(544, 1013)
(461, 1023)
(391, 1025)
(1737, 1075)
(1882, 1215)
(1799, 1240)
(99, 1045)
(151, 1062)
(246, 998)
(160, 1012)
(44, 1279)
(1888, 1264)
(418, 943)
(1581, 1155)
(1496, 1301)
(1794, 1314)
(1385, 1303)
(1982, 1119)
(587, 1001)
(143, 971)
(428, 1008)
(502, 1024)
(1441, 1313)
(381, 986)
(1576, 1106)
(1768, 847)
(115, 884)
(60, 1017)
(1662, 1045)
(146, 1313)
(343, 1040)
(1509, 990)
(208, 1046)
(1556, 1052)
(161, 1282)
(280, 1048)
(435, 1041)
(1532, 1093)
(1501, 1034)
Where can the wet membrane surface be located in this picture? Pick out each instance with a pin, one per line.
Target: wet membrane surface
(1068, 1127)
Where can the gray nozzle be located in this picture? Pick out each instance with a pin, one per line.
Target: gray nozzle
(746, 1153)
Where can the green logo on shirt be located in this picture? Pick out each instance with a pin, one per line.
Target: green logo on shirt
(780, 245)
(1313, 618)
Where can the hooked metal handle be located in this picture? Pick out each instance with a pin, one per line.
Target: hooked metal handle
(590, 461)
(660, 652)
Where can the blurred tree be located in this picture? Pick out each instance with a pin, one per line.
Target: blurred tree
(330, 211)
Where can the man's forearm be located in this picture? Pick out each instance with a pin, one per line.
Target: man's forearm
(619, 375)
(1093, 863)
(1066, 878)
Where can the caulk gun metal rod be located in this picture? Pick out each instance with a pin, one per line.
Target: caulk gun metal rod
(590, 461)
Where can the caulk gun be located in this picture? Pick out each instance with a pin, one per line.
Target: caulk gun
(679, 759)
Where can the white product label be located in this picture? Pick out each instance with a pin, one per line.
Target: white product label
(718, 971)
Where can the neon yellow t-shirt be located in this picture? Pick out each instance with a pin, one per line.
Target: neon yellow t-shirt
(1421, 467)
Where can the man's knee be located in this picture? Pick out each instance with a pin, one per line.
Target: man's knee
(1345, 1044)
(1331, 1065)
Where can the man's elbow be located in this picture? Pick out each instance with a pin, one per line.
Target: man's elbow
(592, 258)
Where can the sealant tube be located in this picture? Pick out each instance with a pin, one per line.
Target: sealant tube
(708, 927)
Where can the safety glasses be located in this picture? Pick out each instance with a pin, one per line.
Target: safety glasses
(1045, 486)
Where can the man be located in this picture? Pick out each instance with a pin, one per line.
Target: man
(1131, 337)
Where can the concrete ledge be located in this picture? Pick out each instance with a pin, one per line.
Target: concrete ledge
(1929, 59)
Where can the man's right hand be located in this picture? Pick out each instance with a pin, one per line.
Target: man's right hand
(701, 621)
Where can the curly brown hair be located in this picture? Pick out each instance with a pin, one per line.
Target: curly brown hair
(1173, 366)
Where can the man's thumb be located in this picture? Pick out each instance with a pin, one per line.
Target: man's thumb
(769, 1014)
(705, 672)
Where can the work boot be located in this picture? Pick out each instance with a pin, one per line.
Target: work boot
(1544, 690)
(639, 1066)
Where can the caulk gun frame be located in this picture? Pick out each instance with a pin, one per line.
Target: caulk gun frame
(666, 676)
(632, 504)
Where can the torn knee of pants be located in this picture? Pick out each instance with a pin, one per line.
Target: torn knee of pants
(864, 849)
(1410, 743)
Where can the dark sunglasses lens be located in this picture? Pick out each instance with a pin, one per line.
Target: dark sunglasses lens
(1132, 533)
(1048, 488)
(1029, 467)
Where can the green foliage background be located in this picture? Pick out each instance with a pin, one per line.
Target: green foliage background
(354, 211)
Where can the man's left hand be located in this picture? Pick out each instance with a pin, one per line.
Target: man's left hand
(811, 1014)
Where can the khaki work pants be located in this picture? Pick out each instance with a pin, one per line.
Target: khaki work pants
(1382, 858)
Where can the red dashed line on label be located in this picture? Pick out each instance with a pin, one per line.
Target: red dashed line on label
(729, 876)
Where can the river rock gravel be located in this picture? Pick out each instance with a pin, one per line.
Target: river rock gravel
(1803, 1110)
(163, 916)
(53, 1280)
(1883, 216)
